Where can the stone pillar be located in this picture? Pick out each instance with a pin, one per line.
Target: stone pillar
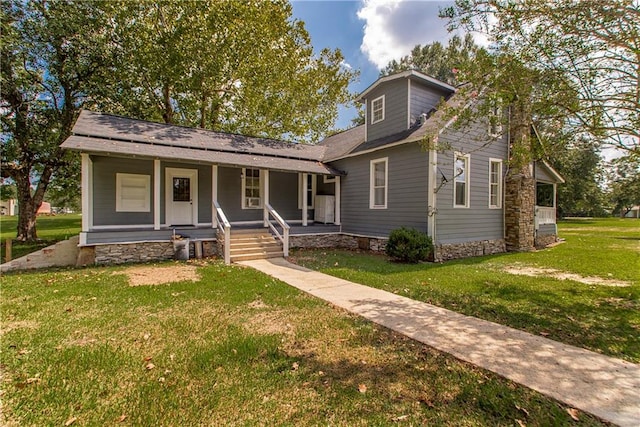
(519, 210)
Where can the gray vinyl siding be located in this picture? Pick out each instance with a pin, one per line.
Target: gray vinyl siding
(423, 99)
(395, 106)
(478, 221)
(406, 193)
(104, 190)
(283, 195)
(323, 189)
(542, 175)
(205, 203)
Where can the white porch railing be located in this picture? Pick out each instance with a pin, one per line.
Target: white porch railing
(284, 237)
(545, 215)
(225, 228)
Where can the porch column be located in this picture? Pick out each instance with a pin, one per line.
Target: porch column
(87, 192)
(156, 194)
(265, 211)
(214, 195)
(305, 195)
(337, 205)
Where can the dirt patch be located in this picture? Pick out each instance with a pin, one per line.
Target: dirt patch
(20, 324)
(148, 275)
(561, 275)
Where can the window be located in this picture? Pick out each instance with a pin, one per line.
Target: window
(377, 110)
(328, 179)
(181, 189)
(311, 190)
(378, 184)
(251, 189)
(133, 192)
(461, 181)
(495, 183)
(545, 194)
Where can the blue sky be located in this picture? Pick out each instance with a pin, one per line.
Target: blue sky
(370, 33)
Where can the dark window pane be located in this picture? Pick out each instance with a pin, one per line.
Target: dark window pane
(181, 189)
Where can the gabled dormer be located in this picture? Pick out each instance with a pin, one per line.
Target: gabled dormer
(397, 102)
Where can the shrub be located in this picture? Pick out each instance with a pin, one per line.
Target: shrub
(409, 245)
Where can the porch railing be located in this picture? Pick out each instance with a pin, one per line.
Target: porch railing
(284, 237)
(545, 215)
(225, 228)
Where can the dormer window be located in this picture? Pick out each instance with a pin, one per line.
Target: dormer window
(377, 110)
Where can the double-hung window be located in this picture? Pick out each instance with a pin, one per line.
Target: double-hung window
(133, 192)
(461, 180)
(379, 184)
(495, 183)
(251, 188)
(377, 110)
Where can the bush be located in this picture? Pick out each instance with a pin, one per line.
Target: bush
(409, 245)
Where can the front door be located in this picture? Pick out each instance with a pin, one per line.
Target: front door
(181, 196)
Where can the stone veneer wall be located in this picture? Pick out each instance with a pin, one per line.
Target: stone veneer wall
(449, 251)
(118, 253)
(545, 240)
(519, 211)
(344, 241)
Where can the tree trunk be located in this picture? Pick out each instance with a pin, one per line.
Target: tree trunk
(167, 114)
(26, 212)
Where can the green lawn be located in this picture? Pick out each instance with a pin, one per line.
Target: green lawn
(51, 229)
(234, 347)
(602, 318)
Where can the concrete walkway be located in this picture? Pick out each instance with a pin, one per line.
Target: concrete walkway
(604, 386)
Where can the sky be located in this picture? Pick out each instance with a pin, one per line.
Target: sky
(370, 33)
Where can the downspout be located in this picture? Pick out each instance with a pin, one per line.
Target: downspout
(431, 199)
(504, 179)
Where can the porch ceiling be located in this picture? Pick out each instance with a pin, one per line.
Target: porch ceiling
(105, 146)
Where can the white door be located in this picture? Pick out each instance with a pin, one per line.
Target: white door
(181, 196)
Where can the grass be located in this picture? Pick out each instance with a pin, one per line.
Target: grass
(232, 348)
(51, 229)
(601, 318)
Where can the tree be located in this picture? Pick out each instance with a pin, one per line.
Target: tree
(242, 67)
(51, 55)
(624, 184)
(437, 60)
(580, 164)
(595, 45)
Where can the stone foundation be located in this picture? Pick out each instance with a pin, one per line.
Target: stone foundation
(118, 253)
(449, 251)
(519, 211)
(545, 240)
(342, 241)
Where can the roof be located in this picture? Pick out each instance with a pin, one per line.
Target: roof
(550, 170)
(115, 135)
(410, 74)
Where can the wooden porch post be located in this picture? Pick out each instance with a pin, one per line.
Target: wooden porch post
(214, 195)
(265, 211)
(156, 194)
(87, 193)
(305, 202)
(337, 204)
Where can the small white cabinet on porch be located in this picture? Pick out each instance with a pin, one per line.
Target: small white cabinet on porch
(325, 209)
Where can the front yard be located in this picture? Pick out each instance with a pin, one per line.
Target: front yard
(584, 292)
(225, 345)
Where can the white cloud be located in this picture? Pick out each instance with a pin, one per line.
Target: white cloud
(393, 27)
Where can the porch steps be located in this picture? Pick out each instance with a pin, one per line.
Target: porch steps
(252, 244)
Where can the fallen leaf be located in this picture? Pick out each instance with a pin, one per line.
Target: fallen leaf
(146, 336)
(521, 424)
(544, 334)
(33, 380)
(574, 413)
(295, 366)
(401, 417)
(150, 366)
(362, 388)
(121, 418)
(70, 421)
(523, 410)
(146, 359)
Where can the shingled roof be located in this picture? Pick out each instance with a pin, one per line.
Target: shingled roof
(115, 135)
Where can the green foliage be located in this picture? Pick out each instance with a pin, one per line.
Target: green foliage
(438, 60)
(624, 184)
(409, 245)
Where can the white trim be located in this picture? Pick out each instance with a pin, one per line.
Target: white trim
(554, 173)
(373, 101)
(310, 203)
(264, 175)
(123, 227)
(214, 195)
(192, 174)
(305, 202)
(408, 103)
(253, 222)
(156, 194)
(372, 187)
(140, 179)
(366, 122)
(87, 192)
(467, 179)
(328, 179)
(260, 186)
(337, 188)
(408, 74)
(499, 189)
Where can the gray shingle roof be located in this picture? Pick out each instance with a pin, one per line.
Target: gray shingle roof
(107, 134)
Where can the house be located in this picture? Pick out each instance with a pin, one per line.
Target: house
(243, 197)
(9, 207)
(634, 212)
